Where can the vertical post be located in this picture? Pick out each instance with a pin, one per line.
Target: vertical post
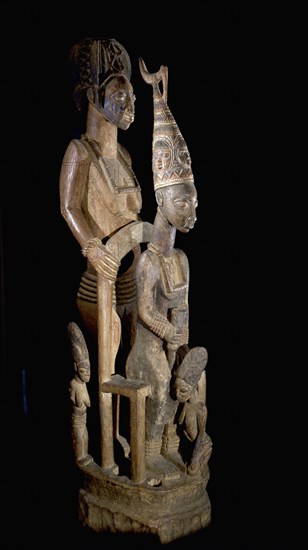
(137, 434)
(105, 367)
(119, 245)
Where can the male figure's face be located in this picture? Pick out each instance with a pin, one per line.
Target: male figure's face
(178, 204)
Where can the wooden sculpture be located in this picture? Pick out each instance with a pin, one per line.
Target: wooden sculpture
(152, 471)
(79, 394)
(99, 192)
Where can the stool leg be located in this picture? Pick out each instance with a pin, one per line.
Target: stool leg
(137, 437)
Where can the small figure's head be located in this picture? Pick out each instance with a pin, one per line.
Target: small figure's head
(83, 369)
(178, 205)
(80, 352)
(183, 390)
(162, 155)
(171, 162)
(188, 374)
(102, 72)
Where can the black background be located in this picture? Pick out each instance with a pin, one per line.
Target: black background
(236, 90)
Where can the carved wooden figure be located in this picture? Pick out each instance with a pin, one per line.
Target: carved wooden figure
(99, 192)
(79, 395)
(189, 387)
(146, 480)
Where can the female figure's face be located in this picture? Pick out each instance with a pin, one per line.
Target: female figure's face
(117, 102)
(178, 204)
(84, 371)
(183, 390)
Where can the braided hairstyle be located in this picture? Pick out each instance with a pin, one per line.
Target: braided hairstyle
(95, 61)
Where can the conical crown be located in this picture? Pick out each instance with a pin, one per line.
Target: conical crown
(171, 162)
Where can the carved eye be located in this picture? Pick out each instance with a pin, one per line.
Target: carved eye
(181, 204)
(83, 370)
(119, 96)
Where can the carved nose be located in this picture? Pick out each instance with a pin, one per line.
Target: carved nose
(130, 106)
(193, 218)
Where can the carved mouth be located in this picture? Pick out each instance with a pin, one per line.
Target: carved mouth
(189, 225)
(129, 118)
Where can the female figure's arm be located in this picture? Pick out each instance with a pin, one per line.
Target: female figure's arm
(73, 185)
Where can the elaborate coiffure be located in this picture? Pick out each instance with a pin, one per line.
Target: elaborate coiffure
(95, 61)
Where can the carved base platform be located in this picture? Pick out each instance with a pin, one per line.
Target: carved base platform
(171, 510)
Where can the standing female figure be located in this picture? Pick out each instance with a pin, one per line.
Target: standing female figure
(99, 192)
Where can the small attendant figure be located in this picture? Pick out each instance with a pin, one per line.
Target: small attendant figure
(79, 395)
(189, 387)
